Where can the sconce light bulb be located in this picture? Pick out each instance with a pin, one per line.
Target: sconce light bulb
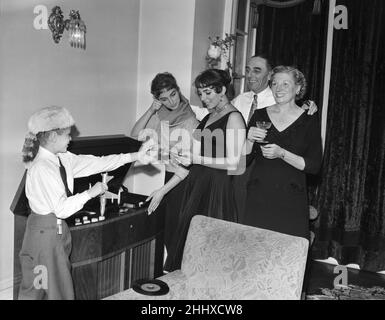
(75, 26)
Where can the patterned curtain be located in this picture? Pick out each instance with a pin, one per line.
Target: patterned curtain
(351, 195)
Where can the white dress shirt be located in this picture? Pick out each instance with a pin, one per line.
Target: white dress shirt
(244, 101)
(44, 186)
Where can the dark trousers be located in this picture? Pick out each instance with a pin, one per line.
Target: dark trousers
(44, 259)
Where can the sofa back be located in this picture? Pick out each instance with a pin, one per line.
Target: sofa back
(243, 262)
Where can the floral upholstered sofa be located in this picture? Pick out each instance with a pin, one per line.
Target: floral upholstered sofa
(224, 260)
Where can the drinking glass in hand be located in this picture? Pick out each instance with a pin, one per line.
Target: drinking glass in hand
(263, 125)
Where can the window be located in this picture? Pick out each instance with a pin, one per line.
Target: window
(245, 42)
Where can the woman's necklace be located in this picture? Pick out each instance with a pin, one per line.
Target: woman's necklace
(218, 110)
(215, 114)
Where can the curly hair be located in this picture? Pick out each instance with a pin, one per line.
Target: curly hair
(33, 142)
(298, 77)
(163, 82)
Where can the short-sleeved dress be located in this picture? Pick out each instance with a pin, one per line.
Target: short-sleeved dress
(208, 191)
(276, 191)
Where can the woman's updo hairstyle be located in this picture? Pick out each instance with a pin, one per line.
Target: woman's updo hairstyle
(213, 78)
(298, 76)
(163, 82)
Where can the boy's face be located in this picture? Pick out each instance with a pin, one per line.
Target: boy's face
(62, 140)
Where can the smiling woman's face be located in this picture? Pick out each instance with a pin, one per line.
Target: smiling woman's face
(284, 88)
(170, 98)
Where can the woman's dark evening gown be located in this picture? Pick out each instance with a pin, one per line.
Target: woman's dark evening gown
(171, 204)
(276, 191)
(208, 191)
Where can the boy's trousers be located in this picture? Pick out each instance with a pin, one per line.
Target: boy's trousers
(44, 259)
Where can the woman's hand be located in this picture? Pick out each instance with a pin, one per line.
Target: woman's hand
(184, 158)
(272, 151)
(148, 152)
(155, 106)
(256, 134)
(155, 197)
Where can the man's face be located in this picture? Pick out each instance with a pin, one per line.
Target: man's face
(257, 74)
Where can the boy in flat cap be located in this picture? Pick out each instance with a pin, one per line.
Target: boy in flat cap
(51, 170)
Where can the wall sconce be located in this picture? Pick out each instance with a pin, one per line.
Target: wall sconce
(75, 26)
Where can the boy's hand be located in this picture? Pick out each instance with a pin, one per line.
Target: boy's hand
(97, 189)
(148, 152)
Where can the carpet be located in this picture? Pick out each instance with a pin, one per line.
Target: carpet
(349, 293)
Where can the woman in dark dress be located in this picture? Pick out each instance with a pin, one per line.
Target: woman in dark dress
(276, 192)
(219, 139)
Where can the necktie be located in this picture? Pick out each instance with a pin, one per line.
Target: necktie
(63, 175)
(253, 107)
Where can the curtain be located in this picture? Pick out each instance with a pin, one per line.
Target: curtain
(295, 36)
(350, 198)
(349, 192)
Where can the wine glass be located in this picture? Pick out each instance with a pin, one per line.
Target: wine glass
(263, 125)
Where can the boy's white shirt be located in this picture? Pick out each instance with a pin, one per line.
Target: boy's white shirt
(45, 189)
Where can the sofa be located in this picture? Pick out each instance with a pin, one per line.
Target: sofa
(224, 260)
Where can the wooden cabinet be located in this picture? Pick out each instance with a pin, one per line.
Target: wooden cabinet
(108, 256)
